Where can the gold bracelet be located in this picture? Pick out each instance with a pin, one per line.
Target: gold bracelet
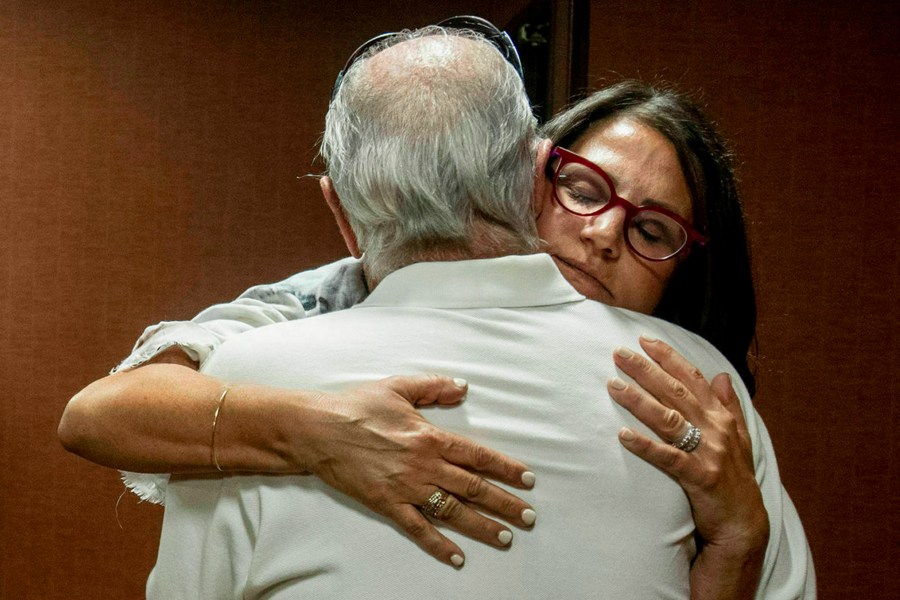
(213, 459)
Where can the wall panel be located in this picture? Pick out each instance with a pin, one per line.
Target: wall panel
(806, 91)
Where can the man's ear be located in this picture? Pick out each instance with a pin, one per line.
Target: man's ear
(334, 203)
(541, 183)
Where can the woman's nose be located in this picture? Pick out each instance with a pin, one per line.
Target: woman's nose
(606, 232)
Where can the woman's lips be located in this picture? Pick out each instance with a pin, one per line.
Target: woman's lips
(582, 280)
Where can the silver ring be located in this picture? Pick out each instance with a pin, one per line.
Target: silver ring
(690, 440)
(435, 503)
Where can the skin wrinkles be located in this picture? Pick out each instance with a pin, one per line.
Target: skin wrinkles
(592, 252)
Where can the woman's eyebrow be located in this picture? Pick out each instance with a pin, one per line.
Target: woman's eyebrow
(652, 202)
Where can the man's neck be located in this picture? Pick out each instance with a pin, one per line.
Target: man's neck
(487, 242)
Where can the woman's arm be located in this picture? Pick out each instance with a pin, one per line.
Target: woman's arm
(718, 477)
(368, 442)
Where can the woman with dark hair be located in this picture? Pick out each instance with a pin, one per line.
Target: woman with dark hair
(711, 292)
(677, 250)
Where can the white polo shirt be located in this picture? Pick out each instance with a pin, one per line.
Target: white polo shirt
(537, 356)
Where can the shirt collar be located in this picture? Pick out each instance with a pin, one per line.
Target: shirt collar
(505, 282)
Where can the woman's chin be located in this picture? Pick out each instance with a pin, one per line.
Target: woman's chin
(585, 284)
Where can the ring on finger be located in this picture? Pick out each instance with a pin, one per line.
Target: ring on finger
(690, 440)
(435, 503)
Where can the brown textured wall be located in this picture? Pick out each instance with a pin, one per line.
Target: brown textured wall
(807, 91)
(149, 163)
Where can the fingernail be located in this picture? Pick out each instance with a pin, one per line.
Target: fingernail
(649, 338)
(626, 434)
(624, 352)
(528, 478)
(528, 516)
(457, 560)
(617, 383)
(505, 537)
(461, 383)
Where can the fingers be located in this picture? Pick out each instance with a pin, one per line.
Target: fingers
(489, 463)
(427, 536)
(469, 489)
(723, 388)
(473, 524)
(667, 423)
(422, 390)
(666, 388)
(665, 457)
(466, 456)
(487, 497)
(675, 365)
(456, 515)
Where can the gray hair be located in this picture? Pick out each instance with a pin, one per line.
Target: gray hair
(430, 147)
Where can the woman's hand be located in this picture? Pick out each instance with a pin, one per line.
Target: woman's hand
(377, 448)
(717, 476)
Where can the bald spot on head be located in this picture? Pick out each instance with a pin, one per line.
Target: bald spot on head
(428, 78)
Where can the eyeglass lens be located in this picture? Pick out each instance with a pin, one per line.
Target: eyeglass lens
(651, 234)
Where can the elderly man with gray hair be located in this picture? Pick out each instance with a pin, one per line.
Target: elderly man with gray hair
(432, 158)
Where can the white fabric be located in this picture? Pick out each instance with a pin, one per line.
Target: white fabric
(537, 357)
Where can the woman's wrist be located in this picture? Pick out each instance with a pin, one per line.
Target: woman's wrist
(266, 430)
(752, 538)
(719, 574)
(730, 569)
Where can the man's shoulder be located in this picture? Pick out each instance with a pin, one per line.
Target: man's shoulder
(626, 324)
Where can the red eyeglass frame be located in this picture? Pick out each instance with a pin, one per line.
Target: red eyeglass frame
(567, 156)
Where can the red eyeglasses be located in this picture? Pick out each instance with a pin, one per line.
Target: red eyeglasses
(584, 189)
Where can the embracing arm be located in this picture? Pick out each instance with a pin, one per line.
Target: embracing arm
(368, 442)
(158, 418)
(718, 477)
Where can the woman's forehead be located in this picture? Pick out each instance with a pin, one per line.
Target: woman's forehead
(642, 163)
(620, 135)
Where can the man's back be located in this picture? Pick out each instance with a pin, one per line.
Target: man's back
(537, 358)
